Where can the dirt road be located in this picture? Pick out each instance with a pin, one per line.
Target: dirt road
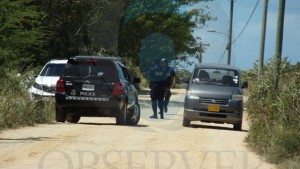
(96, 143)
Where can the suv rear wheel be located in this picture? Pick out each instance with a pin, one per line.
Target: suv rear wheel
(73, 118)
(121, 116)
(60, 116)
(133, 115)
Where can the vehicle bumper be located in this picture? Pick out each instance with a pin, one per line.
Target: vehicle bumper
(215, 117)
(39, 94)
(90, 107)
(231, 113)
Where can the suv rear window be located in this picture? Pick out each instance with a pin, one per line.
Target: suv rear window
(52, 69)
(106, 70)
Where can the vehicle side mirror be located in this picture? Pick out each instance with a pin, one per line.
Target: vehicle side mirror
(186, 80)
(136, 80)
(245, 85)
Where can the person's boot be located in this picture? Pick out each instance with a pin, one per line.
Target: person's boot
(166, 102)
(161, 107)
(161, 115)
(154, 116)
(154, 109)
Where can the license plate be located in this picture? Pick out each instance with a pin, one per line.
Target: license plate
(213, 108)
(88, 87)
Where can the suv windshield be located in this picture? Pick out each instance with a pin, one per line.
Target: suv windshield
(52, 69)
(211, 76)
(92, 68)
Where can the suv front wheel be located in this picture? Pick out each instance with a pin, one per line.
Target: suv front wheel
(238, 126)
(186, 122)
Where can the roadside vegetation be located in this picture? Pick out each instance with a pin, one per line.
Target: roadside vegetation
(274, 115)
(16, 108)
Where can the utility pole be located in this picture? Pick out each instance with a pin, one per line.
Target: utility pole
(200, 53)
(279, 38)
(263, 37)
(230, 32)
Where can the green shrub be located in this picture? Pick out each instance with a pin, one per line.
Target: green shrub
(285, 145)
(16, 108)
(293, 163)
(274, 115)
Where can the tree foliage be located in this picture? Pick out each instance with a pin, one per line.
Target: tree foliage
(21, 36)
(35, 31)
(143, 19)
(81, 27)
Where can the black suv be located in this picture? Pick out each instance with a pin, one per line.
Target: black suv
(97, 86)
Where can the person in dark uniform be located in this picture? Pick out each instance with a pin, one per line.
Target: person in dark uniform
(170, 77)
(157, 83)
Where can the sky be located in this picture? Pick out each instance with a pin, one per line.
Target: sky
(246, 48)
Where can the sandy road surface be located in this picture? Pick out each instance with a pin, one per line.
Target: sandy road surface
(99, 143)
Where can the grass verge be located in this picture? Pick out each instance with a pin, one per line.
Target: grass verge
(274, 116)
(16, 108)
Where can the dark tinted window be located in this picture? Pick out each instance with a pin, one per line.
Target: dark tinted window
(52, 69)
(212, 76)
(106, 70)
(127, 76)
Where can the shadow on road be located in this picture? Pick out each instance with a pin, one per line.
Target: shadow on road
(23, 140)
(110, 124)
(147, 103)
(214, 127)
(144, 92)
(147, 92)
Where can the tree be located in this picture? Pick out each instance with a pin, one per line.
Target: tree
(82, 27)
(146, 25)
(21, 36)
(65, 23)
(86, 27)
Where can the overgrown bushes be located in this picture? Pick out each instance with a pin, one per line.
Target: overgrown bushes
(275, 115)
(16, 108)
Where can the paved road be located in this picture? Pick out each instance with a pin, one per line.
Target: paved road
(154, 143)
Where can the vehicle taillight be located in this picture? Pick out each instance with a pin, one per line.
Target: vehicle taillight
(118, 88)
(60, 87)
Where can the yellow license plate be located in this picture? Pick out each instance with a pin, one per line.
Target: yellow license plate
(213, 108)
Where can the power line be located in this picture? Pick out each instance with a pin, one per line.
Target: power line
(223, 55)
(256, 5)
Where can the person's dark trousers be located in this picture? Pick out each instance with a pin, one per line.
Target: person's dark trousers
(167, 96)
(160, 105)
(157, 99)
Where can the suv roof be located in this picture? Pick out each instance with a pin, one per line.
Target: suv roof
(58, 61)
(101, 57)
